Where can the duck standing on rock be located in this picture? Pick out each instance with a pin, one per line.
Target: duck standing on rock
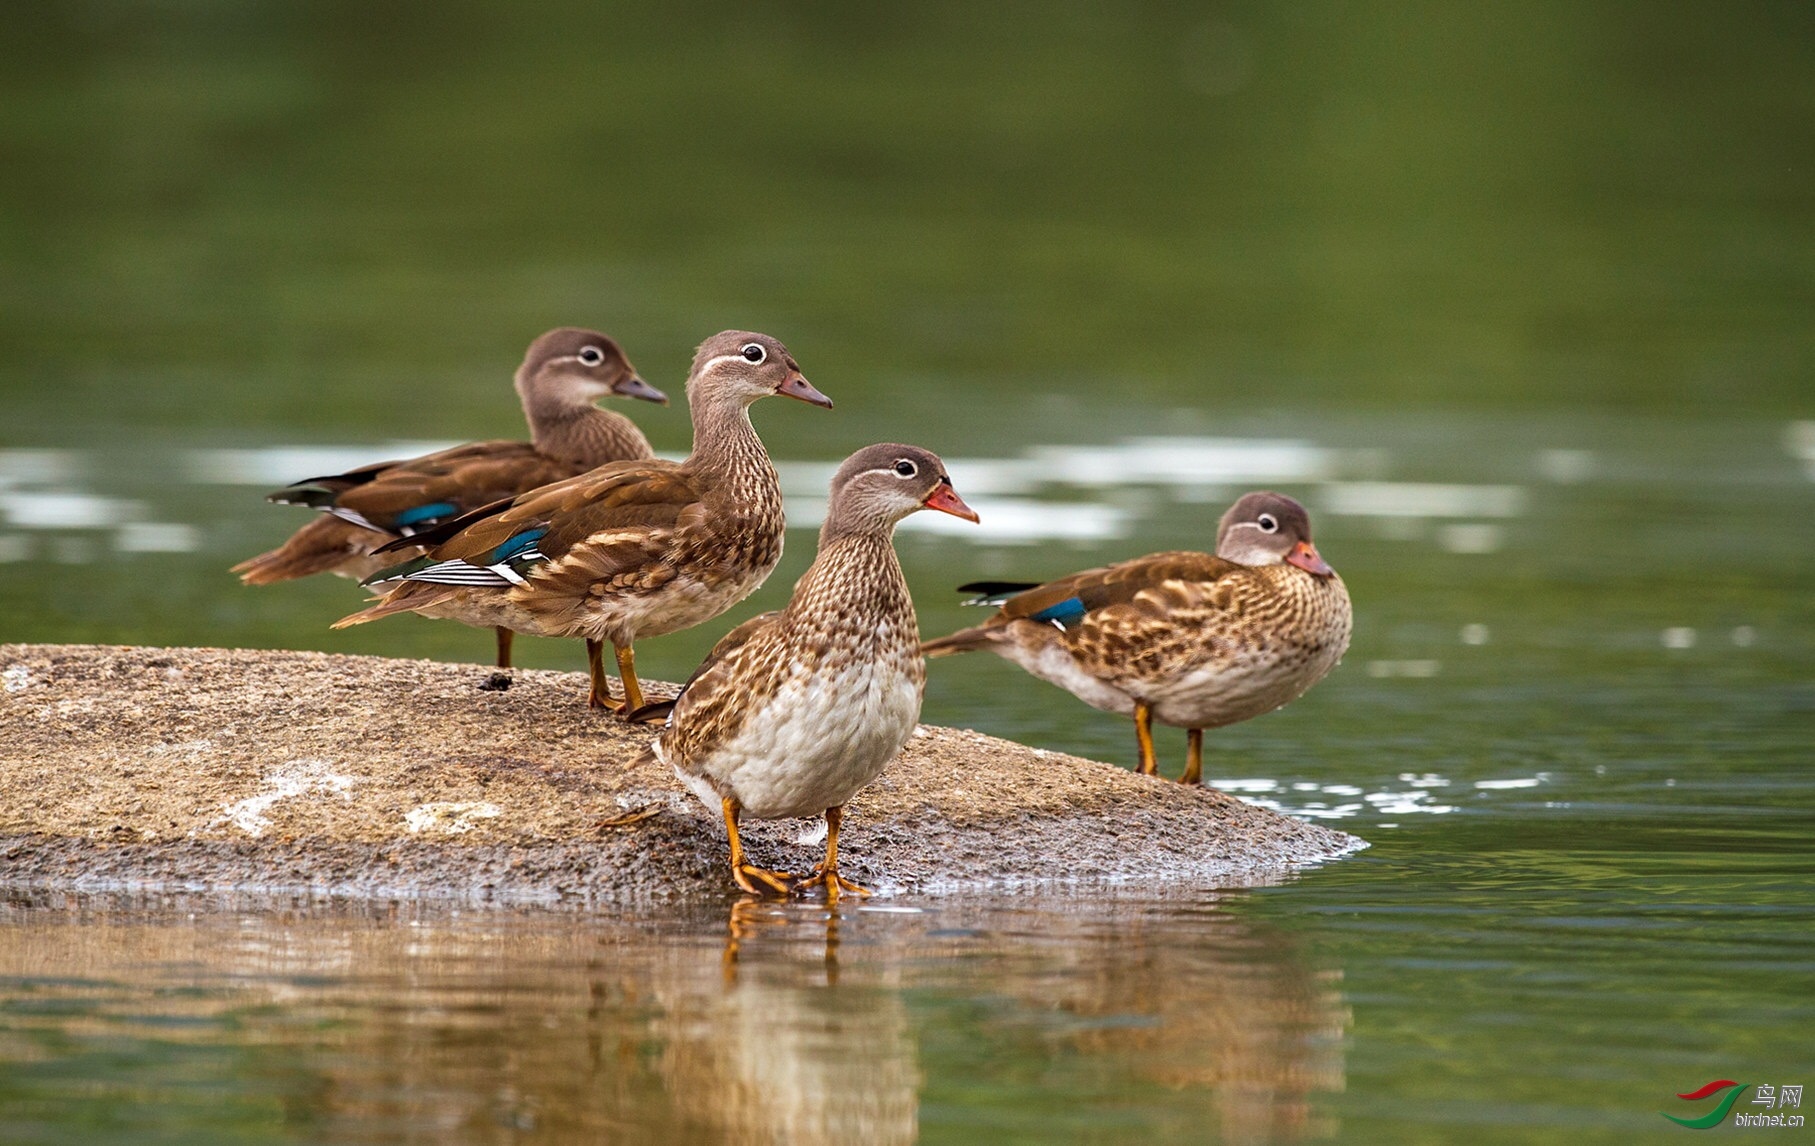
(632, 549)
(563, 374)
(1189, 639)
(794, 711)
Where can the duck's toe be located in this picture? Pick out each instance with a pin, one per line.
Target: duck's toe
(761, 881)
(828, 878)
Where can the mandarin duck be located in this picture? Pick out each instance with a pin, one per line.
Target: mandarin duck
(794, 711)
(629, 550)
(1191, 640)
(564, 372)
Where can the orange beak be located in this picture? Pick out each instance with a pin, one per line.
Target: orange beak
(1304, 555)
(798, 387)
(945, 499)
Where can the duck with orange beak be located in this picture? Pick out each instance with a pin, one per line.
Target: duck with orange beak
(795, 711)
(1192, 640)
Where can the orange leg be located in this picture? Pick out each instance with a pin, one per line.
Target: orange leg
(826, 874)
(627, 676)
(1194, 757)
(504, 639)
(751, 878)
(1143, 736)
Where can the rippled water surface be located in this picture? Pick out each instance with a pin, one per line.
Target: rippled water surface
(1515, 298)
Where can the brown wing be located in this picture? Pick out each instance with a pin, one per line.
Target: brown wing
(729, 643)
(1132, 613)
(1155, 617)
(742, 670)
(1117, 584)
(465, 478)
(625, 510)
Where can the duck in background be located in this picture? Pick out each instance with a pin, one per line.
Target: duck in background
(629, 550)
(795, 711)
(564, 372)
(1191, 640)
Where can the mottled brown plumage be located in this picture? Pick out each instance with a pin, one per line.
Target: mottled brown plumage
(794, 711)
(628, 550)
(1188, 639)
(563, 373)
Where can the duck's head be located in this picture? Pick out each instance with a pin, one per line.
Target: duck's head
(743, 366)
(1266, 529)
(879, 485)
(578, 367)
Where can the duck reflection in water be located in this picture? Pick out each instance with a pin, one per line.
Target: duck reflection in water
(1175, 1018)
(782, 1054)
(750, 915)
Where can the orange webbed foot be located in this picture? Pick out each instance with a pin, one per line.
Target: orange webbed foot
(761, 881)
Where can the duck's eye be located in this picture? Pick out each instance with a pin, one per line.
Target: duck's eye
(753, 352)
(905, 468)
(1268, 523)
(591, 355)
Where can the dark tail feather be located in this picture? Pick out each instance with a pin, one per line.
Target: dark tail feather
(993, 593)
(652, 712)
(398, 571)
(322, 492)
(311, 496)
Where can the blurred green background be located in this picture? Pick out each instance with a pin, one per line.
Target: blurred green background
(349, 217)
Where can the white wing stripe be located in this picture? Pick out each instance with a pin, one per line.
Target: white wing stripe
(356, 518)
(458, 572)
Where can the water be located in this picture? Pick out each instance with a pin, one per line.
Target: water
(1515, 300)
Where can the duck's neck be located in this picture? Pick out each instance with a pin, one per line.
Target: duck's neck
(855, 582)
(729, 455)
(583, 435)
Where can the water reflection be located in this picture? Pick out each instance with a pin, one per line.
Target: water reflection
(766, 1022)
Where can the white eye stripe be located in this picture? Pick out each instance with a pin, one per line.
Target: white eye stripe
(737, 358)
(591, 355)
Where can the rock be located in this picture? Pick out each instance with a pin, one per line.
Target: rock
(217, 769)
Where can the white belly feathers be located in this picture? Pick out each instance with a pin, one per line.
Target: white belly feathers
(814, 743)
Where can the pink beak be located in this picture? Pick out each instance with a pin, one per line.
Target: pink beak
(1304, 555)
(945, 499)
(798, 387)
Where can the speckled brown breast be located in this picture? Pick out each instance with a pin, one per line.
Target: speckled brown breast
(798, 709)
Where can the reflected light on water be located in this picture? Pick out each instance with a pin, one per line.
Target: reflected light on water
(277, 466)
(1799, 439)
(35, 490)
(1422, 499)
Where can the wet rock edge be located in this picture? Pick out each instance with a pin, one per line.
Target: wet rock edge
(148, 769)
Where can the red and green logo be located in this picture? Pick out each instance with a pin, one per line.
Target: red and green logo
(1719, 1113)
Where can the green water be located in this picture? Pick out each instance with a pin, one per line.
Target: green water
(1515, 297)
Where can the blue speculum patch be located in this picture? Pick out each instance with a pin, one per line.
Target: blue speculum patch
(1069, 609)
(421, 513)
(518, 545)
